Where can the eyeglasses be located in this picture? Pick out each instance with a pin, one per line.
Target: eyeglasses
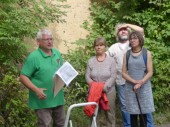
(47, 39)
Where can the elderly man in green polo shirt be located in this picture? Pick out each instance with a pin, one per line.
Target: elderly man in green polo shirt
(37, 75)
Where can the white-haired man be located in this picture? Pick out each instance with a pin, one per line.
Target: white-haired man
(36, 75)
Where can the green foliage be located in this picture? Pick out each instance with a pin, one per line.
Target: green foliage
(80, 93)
(162, 117)
(160, 80)
(153, 17)
(20, 19)
(13, 104)
(79, 119)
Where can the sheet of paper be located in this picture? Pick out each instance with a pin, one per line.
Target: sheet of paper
(67, 73)
(64, 75)
(58, 84)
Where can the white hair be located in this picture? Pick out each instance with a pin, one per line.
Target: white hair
(42, 32)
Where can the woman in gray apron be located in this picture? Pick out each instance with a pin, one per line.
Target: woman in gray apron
(137, 70)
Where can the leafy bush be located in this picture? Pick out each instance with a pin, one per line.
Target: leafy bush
(13, 104)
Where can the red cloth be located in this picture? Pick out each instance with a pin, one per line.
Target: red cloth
(96, 95)
(104, 103)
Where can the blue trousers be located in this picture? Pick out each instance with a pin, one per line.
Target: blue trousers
(125, 114)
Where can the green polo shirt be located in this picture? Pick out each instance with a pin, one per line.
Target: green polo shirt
(40, 69)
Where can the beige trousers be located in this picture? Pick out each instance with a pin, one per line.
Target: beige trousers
(107, 118)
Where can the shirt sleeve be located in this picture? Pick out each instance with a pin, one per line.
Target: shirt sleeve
(29, 66)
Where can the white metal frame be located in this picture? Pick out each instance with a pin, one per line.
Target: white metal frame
(80, 105)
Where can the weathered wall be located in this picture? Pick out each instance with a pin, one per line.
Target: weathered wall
(71, 30)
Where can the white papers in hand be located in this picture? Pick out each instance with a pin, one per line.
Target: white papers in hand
(67, 73)
(58, 84)
(64, 75)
